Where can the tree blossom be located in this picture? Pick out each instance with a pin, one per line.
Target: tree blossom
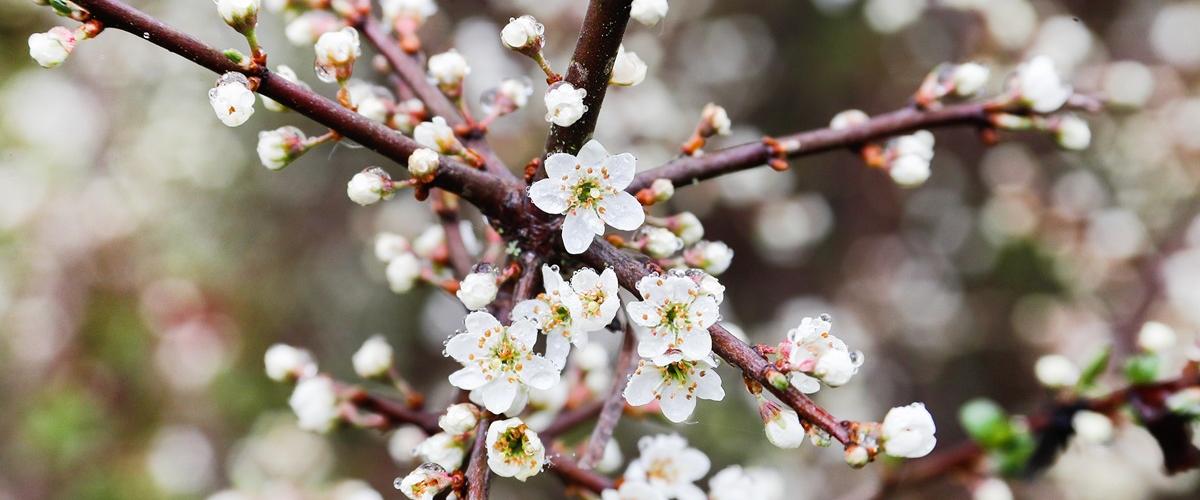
(545, 405)
(445, 449)
(499, 366)
(370, 186)
(336, 53)
(781, 425)
(659, 242)
(402, 272)
(459, 418)
(374, 358)
(523, 34)
(649, 12)
(241, 15)
(687, 226)
(992, 488)
(286, 363)
(424, 482)
(713, 257)
(513, 450)
(280, 147)
(564, 104)
(628, 69)
(1092, 427)
(1156, 337)
(969, 78)
(416, 11)
(1036, 84)
(632, 490)
(736, 483)
(370, 100)
(715, 120)
(558, 313)
(512, 94)
(670, 466)
(1056, 371)
(590, 190)
(389, 246)
(675, 383)
(911, 155)
(1073, 133)
(676, 315)
(908, 431)
(597, 297)
(287, 73)
(438, 136)
(50, 49)
(448, 69)
(477, 290)
(310, 26)
(231, 99)
(315, 403)
(814, 352)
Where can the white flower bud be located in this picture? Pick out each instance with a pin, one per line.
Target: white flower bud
(460, 418)
(308, 27)
(782, 425)
(286, 363)
(992, 489)
(523, 34)
(370, 186)
(649, 12)
(1056, 371)
(564, 104)
(429, 242)
(512, 94)
(424, 482)
(1156, 337)
(835, 367)
(286, 73)
(969, 78)
(315, 403)
(389, 246)
(423, 163)
(442, 449)
(402, 442)
(628, 70)
(910, 171)
(402, 272)
(688, 227)
(713, 287)
(241, 15)
(437, 135)
(611, 460)
(448, 69)
(1185, 402)
(908, 431)
(1038, 86)
(1092, 427)
(662, 190)
(477, 290)
(374, 358)
(857, 456)
(715, 120)
(231, 99)
(336, 53)
(1073, 133)
(370, 100)
(848, 118)
(514, 450)
(278, 148)
(713, 257)
(416, 11)
(50, 49)
(660, 243)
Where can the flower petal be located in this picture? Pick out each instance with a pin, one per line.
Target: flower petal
(578, 232)
(643, 384)
(675, 402)
(479, 321)
(622, 211)
(498, 395)
(539, 373)
(468, 379)
(462, 346)
(524, 332)
(557, 348)
(560, 164)
(549, 196)
(621, 170)
(696, 344)
(643, 313)
(591, 154)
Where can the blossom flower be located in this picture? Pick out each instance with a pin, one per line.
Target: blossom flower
(781, 425)
(370, 186)
(241, 15)
(649, 12)
(336, 53)
(448, 69)
(280, 147)
(445, 449)
(512, 94)
(558, 313)
(670, 466)
(370, 100)
(676, 315)
(374, 358)
(969, 78)
(231, 99)
(523, 34)
(1056, 371)
(1073, 133)
(477, 290)
(1156, 337)
(513, 450)
(315, 403)
(389, 246)
(628, 69)
(675, 383)
(597, 297)
(814, 352)
(632, 490)
(992, 489)
(848, 118)
(413, 10)
(736, 483)
(715, 121)
(659, 242)
(590, 190)
(287, 73)
(309, 26)
(688, 227)
(908, 431)
(424, 482)
(423, 163)
(438, 136)
(713, 257)
(499, 366)
(911, 157)
(402, 272)
(564, 104)
(50, 49)
(459, 418)
(1037, 85)
(287, 363)
(1092, 427)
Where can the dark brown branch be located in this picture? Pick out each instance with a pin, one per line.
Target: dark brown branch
(691, 169)
(591, 67)
(614, 404)
(572, 473)
(396, 412)
(478, 473)
(446, 207)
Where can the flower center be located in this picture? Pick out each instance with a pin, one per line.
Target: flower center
(586, 192)
(678, 372)
(512, 442)
(674, 314)
(661, 469)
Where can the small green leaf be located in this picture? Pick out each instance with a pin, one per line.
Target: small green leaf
(986, 423)
(234, 55)
(1095, 368)
(1142, 369)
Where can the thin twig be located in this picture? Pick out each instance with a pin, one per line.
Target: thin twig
(445, 205)
(478, 473)
(614, 404)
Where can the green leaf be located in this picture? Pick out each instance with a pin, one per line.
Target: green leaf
(986, 423)
(1142, 369)
(1094, 368)
(234, 55)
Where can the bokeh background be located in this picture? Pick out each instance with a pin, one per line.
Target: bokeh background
(147, 260)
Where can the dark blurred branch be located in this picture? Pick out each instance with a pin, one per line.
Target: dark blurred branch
(445, 205)
(614, 404)
(690, 169)
(572, 473)
(396, 412)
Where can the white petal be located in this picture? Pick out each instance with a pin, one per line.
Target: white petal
(577, 234)
(621, 169)
(679, 289)
(651, 289)
(531, 309)
(693, 464)
(524, 332)
(498, 396)
(708, 385)
(675, 403)
(585, 280)
(591, 154)
(539, 373)
(622, 211)
(704, 311)
(650, 346)
(462, 346)
(560, 164)
(643, 384)
(479, 321)
(557, 348)
(468, 379)
(549, 196)
(696, 345)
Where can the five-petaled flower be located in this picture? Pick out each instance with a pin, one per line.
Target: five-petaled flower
(425, 482)
(670, 466)
(514, 450)
(676, 314)
(676, 383)
(499, 366)
(590, 190)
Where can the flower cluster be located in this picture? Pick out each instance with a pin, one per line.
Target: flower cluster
(566, 312)
(814, 356)
(499, 365)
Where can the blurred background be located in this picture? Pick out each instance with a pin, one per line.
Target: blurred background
(147, 260)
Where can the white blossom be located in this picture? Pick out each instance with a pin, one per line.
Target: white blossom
(370, 100)
(374, 358)
(477, 290)
(241, 15)
(50, 49)
(676, 315)
(908, 431)
(659, 242)
(437, 135)
(545, 405)
(336, 53)
(402, 272)
(231, 99)
(558, 313)
(781, 425)
(675, 383)
(597, 297)
(713, 257)
(1056, 371)
(389, 246)
(1037, 85)
(632, 490)
(445, 449)
(1156, 337)
(429, 242)
(1092, 427)
(459, 418)
(403, 441)
(448, 69)
(424, 482)
(992, 488)
(1073, 133)
(716, 120)
(612, 459)
(415, 10)
(815, 352)
(309, 26)
(670, 466)
(513, 450)
(315, 403)
(969, 78)
(628, 69)
(286, 73)
(285, 363)
(499, 365)
(590, 190)
(912, 155)
(564, 104)
(523, 34)
(738, 483)
(848, 118)
(423, 163)
(370, 186)
(649, 12)
(278, 148)
(688, 227)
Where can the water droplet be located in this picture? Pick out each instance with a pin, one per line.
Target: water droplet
(396, 483)
(146, 35)
(677, 273)
(857, 358)
(554, 268)
(826, 317)
(483, 267)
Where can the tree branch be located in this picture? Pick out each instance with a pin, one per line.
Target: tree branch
(478, 473)
(614, 404)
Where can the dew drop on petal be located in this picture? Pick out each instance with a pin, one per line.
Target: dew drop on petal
(397, 482)
(554, 268)
(826, 317)
(483, 267)
(857, 358)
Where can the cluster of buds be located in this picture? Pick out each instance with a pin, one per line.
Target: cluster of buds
(425, 258)
(906, 158)
(1070, 131)
(315, 400)
(336, 53)
(438, 136)
(442, 454)
(664, 237)
(406, 17)
(957, 80)
(1037, 85)
(714, 120)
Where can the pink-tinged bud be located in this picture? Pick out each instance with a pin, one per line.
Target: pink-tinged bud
(50, 49)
